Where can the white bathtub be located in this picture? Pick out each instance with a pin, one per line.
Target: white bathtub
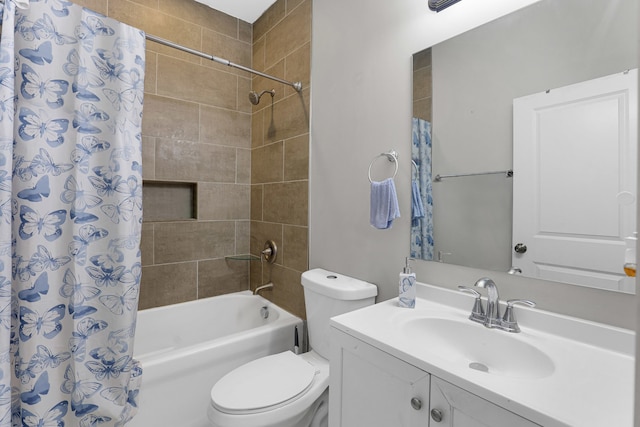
(185, 348)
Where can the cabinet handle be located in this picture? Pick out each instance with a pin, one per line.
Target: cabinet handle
(416, 403)
(436, 415)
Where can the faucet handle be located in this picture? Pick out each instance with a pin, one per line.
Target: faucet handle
(469, 290)
(509, 322)
(512, 302)
(477, 312)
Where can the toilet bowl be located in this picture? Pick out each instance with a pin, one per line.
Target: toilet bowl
(285, 389)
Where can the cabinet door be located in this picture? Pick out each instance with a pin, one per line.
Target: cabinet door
(459, 408)
(372, 388)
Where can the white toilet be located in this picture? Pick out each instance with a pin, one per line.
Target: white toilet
(288, 390)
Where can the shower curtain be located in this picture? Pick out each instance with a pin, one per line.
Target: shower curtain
(71, 92)
(422, 228)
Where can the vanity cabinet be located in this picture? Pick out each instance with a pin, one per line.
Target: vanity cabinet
(369, 387)
(456, 407)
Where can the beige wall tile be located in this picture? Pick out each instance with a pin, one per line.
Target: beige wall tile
(168, 284)
(263, 231)
(243, 166)
(245, 32)
(148, 157)
(243, 235)
(220, 276)
(296, 158)
(244, 87)
(225, 127)
(170, 118)
(223, 201)
(286, 203)
(150, 72)
(422, 59)
(269, 18)
(202, 15)
(290, 118)
(290, 34)
(192, 161)
(292, 4)
(229, 48)
(288, 292)
(160, 49)
(256, 202)
(422, 109)
(257, 129)
(99, 6)
(146, 244)
(262, 83)
(186, 241)
(422, 83)
(298, 67)
(258, 55)
(149, 3)
(267, 163)
(295, 248)
(158, 24)
(180, 79)
(255, 275)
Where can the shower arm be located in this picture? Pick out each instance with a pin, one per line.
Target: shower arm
(296, 85)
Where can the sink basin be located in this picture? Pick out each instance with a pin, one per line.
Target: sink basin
(487, 350)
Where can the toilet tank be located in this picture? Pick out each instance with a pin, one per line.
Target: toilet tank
(328, 294)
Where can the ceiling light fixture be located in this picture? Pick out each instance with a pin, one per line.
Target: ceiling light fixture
(439, 5)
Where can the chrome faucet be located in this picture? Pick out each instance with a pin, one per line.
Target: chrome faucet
(493, 302)
(491, 317)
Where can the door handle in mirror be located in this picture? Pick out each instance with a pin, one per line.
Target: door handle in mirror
(520, 248)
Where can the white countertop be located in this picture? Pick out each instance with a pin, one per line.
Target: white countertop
(592, 383)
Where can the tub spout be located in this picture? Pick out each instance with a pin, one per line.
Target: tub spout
(260, 288)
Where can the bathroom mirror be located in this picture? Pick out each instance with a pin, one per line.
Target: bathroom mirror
(464, 90)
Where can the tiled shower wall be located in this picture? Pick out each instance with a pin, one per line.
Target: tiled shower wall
(196, 128)
(280, 150)
(199, 127)
(422, 85)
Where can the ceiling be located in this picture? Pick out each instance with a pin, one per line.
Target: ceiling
(247, 10)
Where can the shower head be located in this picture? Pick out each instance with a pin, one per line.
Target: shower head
(254, 98)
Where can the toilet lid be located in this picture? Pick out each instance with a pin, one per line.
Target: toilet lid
(264, 383)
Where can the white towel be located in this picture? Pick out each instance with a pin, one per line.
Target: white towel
(384, 204)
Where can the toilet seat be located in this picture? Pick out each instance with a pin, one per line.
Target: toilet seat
(263, 384)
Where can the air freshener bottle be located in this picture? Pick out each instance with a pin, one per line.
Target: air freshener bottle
(630, 255)
(407, 286)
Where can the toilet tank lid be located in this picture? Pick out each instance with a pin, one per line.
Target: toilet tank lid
(337, 286)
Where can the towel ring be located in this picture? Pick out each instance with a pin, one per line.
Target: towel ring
(392, 156)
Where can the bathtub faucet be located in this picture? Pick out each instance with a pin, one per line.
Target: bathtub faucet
(260, 288)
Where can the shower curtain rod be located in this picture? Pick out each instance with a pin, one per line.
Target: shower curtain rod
(296, 85)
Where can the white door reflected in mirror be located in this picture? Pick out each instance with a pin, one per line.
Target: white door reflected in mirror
(574, 153)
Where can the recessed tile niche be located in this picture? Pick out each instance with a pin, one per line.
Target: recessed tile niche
(169, 201)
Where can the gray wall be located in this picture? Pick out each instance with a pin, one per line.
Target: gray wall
(476, 76)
